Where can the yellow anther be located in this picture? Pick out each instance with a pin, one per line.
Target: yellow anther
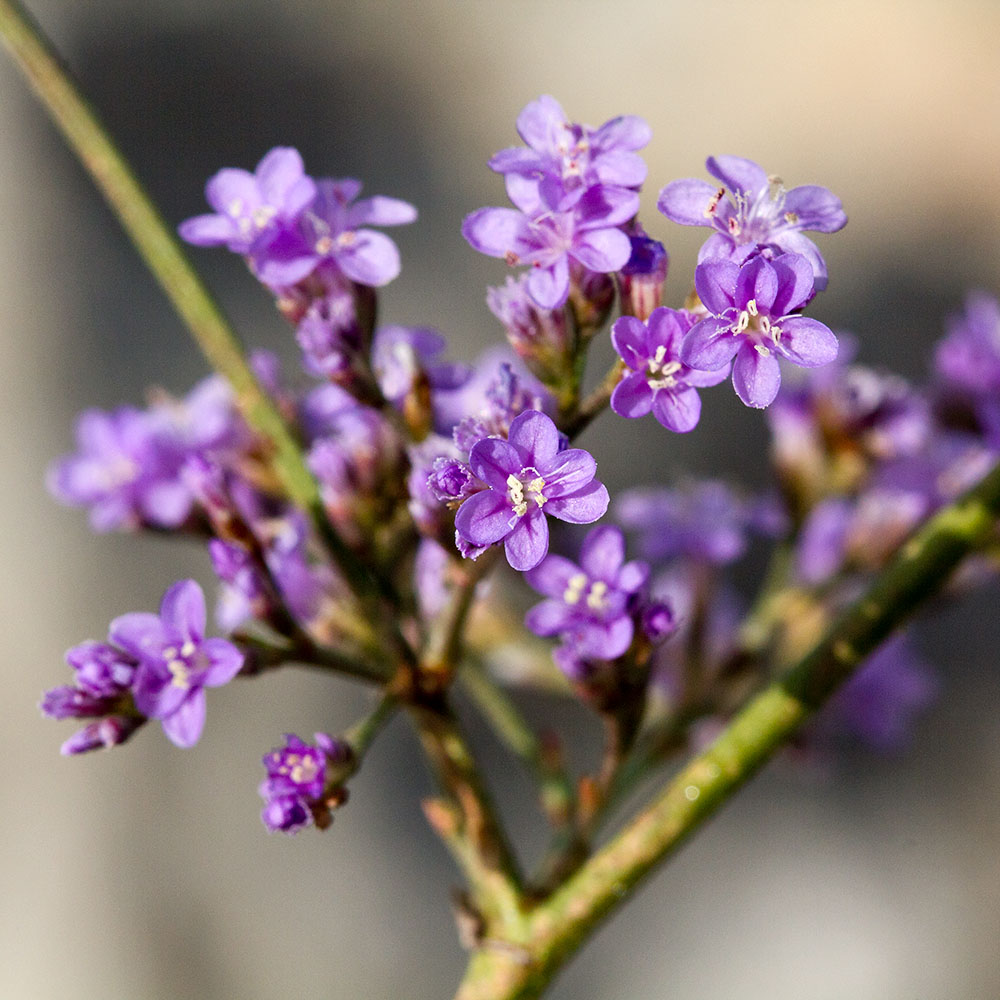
(574, 588)
(598, 591)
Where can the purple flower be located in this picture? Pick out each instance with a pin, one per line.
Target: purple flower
(588, 233)
(564, 159)
(101, 690)
(658, 380)
(752, 317)
(251, 209)
(293, 790)
(590, 602)
(702, 521)
(175, 662)
(333, 231)
(752, 211)
(525, 474)
(404, 360)
(121, 472)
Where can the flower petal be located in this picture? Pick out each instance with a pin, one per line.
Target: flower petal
(552, 575)
(756, 377)
(709, 345)
(182, 611)
(371, 258)
(628, 335)
(582, 507)
(493, 460)
(632, 397)
(548, 618)
(139, 633)
(677, 409)
(226, 660)
(183, 727)
(535, 437)
(549, 286)
(485, 518)
(603, 553)
(602, 250)
(687, 202)
(738, 174)
(806, 342)
(818, 209)
(715, 282)
(567, 472)
(527, 545)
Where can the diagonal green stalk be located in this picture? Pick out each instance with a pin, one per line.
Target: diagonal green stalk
(540, 945)
(162, 253)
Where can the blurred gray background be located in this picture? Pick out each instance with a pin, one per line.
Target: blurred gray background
(145, 872)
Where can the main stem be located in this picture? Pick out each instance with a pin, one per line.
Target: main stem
(539, 946)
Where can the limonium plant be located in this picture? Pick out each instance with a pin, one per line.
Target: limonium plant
(354, 509)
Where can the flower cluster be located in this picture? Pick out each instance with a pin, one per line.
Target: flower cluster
(421, 463)
(295, 790)
(152, 667)
(574, 189)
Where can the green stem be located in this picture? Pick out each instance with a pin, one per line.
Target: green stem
(554, 786)
(556, 929)
(467, 820)
(160, 250)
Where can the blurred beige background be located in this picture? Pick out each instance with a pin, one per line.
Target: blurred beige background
(145, 873)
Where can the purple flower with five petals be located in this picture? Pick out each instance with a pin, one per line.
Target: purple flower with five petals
(590, 602)
(659, 381)
(752, 211)
(331, 231)
(563, 158)
(588, 232)
(528, 477)
(296, 780)
(752, 317)
(251, 209)
(175, 662)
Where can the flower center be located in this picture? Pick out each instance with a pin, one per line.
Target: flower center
(662, 373)
(594, 595)
(524, 488)
(179, 665)
(758, 220)
(758, 328)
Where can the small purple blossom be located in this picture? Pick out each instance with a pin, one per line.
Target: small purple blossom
(101, 690)
(591, 603)
(294, 788)
(122, 472)
(525, 474)
(332, 232)
(658, 380)
(589, 233)
(175, 661)
(752, 318)
(251, 209)
(701, 522)
(564, 159)
(753, 212)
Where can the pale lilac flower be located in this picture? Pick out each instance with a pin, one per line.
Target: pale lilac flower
(293, 790)
(658, 380)
(563, 159)
(121, 472)
(175, 661)
(588, 233)
(528, 477)
(251, 209)
(591, 603)
(752, 211)
(701, 521)
(752, 318)
(332, 230)
(404, 356)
